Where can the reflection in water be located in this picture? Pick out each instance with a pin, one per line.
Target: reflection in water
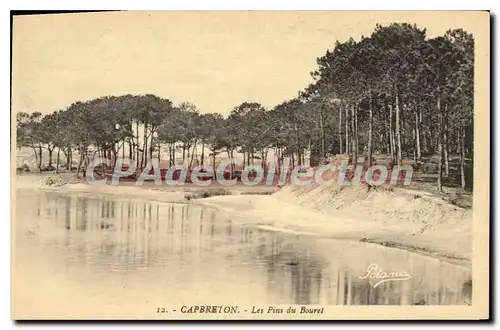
(200, 254)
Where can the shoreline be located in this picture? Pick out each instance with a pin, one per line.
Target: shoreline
(297, 220)
(293, 210)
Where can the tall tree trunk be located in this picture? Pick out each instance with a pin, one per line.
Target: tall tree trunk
(370, 131)
(356, 135)
(417, 131)
(462, 158)
(414, 132)
(192, 155)
(440, 146)
(50, 155)
(57, 161)
(36, 155)
(137, 144)
(387, 135)
(151, 147)
(80, 161)
(340, 131)
(313, 157)
(40, 158)
(391, 133)
(68, 157)
(115, 156)
(353, 136)
(445, 141)
(144, 149)
(322, 134)
(130, 151)
(229, 155)
(202, 152)
(403, 127)
(213, 164)
(298, 143)
(422, 126)
(398, 129)
(347, 130)
(172, 150)
(232, 165)
(170, 154)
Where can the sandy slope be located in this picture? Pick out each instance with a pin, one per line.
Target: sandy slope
(399, 218)
(150, 192)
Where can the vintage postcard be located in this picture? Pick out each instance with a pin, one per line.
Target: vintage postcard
(250, 165)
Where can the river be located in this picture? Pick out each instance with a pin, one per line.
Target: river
(127, 253)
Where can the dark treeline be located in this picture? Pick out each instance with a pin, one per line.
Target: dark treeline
(395, 92)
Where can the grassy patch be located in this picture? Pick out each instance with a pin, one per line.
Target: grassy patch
(23, 168)
(257, 193)
(459, 200)
(207, 193)
(54, 181)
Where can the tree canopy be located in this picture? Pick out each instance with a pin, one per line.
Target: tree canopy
(394, 92)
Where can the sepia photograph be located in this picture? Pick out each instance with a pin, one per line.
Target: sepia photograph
(250, 165)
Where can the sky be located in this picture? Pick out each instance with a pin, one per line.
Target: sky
(215, 60)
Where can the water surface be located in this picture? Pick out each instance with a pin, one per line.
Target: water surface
(126, 253)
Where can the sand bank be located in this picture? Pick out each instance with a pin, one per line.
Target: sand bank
(149, 191)
(399, 218)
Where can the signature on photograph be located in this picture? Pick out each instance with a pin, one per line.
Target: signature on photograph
(376, 275)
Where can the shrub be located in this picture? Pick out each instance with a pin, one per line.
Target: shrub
(207, 193)
(49, 181)
(54, 180)
(23, 168)
(48, 168)
(258, 193)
